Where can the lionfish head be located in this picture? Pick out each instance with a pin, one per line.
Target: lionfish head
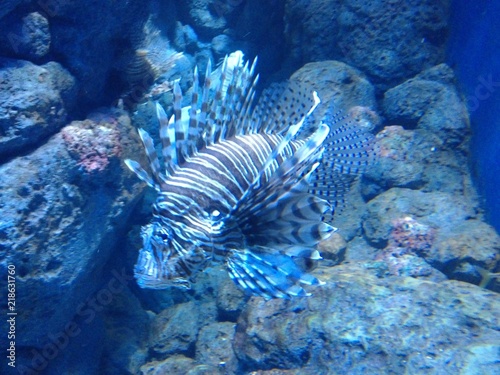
(160, 264)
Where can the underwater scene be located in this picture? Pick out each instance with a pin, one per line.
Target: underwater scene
(261, 187)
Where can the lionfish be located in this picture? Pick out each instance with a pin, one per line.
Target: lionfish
(251, 185)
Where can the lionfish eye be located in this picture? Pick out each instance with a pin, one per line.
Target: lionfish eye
(162, 234)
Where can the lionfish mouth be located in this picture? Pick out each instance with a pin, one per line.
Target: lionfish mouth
(150, 273)
(151, 282)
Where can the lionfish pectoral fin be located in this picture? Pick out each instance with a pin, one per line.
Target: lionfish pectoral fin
(269, 274)
(282, 209)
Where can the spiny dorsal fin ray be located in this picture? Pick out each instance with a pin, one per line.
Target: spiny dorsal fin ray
(167, 136)
(292, 131)
(141, 173)
(193, 116)
(152, 156)
(205, 105)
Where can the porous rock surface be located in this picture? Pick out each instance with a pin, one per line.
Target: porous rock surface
(359, 323)
(27, 37)
(34, 103)
(60, 219)
(389, 41)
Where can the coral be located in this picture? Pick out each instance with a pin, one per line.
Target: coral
(94, 143)
(408, 238)
(409, 234)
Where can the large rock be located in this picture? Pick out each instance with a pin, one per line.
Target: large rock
(430, 102)
(90, 36)
(208, 18)
(471, 252)
(435, 209)
(28, 37)
(362, 324)
(63, 207)
(311, 30)
(400, 160)
(337, 84)
(34, 103)
(389, 41)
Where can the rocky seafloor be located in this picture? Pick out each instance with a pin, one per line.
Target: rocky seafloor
(411, 277)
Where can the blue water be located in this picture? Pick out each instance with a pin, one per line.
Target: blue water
(474, 52)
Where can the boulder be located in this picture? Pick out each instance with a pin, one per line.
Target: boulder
(358, 323)
(35, 102)
(63, 208)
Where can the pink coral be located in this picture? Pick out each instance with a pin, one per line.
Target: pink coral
(408, 238)
(411, 235)
(93, 142)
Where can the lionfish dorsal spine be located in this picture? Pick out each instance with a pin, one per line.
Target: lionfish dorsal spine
(181, 126)
(141, 173)
(202, 117)
(152, 156)
(167, 136)
(193, 116)
(290, 134)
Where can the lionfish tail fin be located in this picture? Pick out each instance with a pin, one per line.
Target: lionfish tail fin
(265, 272)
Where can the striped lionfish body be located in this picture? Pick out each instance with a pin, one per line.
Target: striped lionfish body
(252, 186)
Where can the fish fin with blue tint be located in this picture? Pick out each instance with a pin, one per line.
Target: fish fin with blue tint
(348, 151)
(265, 272)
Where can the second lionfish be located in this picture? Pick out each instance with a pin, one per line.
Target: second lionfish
(251, 185)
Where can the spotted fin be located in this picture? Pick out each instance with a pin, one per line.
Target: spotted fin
(283, 104)
(265, 272)
(348, 151)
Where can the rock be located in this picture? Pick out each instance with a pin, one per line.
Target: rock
(208, 18)
(90, 42)
(400, 161)
(364, 35)
(333, 249)
(28, 38)
(338, 84)
(185, 38)
(126, 325)
(230, 299)
(175, 365)
(310, 29)
(59, 223)
(35, 101)
(430, 105)
(438, 210)
(367, 35)
(470, 252)
(214, 346)
(402, 324)
(222, 45)
(168, 336)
